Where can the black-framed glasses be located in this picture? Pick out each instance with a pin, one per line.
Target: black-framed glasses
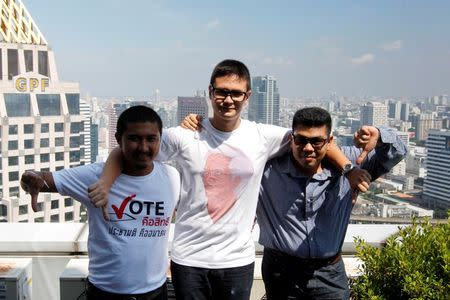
(222, 94)
(316, 142)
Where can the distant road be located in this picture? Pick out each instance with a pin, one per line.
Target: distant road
(354, 219)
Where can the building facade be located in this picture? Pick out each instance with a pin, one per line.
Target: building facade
(191, 105)
(374, 114)
(41, 127)
(437, 180)
(264, 102)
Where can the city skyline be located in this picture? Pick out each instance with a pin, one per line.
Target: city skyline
(352, 49)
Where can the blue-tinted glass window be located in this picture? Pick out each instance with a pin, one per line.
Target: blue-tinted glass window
(59, 127)
(43, 63)
(59, 141)
(73, 103)
(45, 158)
(28, 60)
(13, 145)
(45, 142)
(13, 63)
(45, 128)
(17, 105)
(75, 127)
(13, 129)
(28, 144)
(28, 128)
(49, 104)
(29, 159)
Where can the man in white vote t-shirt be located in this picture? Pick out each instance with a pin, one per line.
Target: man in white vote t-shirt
(127, 254)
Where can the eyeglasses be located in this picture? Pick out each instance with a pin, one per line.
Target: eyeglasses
(222, 94)
(316, 142)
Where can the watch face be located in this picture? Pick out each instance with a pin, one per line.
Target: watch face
(347, 168)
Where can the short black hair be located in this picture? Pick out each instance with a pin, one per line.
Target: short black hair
(312, 117)
(229, 67)
(137, 114)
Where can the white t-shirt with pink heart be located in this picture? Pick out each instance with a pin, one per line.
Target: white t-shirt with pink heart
(221, 174)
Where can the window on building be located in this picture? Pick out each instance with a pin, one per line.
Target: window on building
(40, 206)
(59, 141)
(45, 158)
(29, 159)
(23, 209)
(13, 176)
(28, 144)
(28, 128)
(45, 128)
(75, 127)
(14, 191)
(45, 142)
(73, 103)
(13, 161)
(68, 216)
(13, 145)
(13, 63)
(17, 105)
(45, 169)
(43, 63)
(74, 156)
(28, 60)
(59, 168)
(54, 218)
(49, 104)
(68, 202)
(39, 220)
(59, 127)
(74, 141)
(59, 156)
(3, 210)
(54, 204)
(13, 129)
(1, 77)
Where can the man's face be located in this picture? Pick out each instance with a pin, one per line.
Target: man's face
(139, 145)
(309, 146)
(228, 96)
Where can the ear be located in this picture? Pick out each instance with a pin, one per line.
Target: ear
(210, 90)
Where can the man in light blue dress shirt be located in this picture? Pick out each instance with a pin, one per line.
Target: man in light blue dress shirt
(305, 203)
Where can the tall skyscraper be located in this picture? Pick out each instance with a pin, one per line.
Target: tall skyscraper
(437, 180)
(404, 112)
(191, 105)
(41, 127)
(423, 123)
(394, 109)
(264, 103)
(114, 111)
(374, 114)
(85, 111)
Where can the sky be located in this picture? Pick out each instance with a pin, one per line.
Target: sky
(313, 48)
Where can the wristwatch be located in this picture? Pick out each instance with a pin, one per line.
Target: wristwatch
(347, 168)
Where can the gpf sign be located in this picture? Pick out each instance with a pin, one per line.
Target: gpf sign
(31, 84)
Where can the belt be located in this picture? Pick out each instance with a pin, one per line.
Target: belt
(306, 261)
(94, 292)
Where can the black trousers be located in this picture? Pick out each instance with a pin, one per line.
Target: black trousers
(289, 277)
(94, 293)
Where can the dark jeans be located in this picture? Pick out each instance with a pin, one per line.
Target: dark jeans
(192, 283)
(289, 277)
(94, 293)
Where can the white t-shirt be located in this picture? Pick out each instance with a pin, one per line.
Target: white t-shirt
(221, 174)
(127, 255)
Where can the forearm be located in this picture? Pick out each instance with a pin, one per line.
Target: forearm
(112, 168)
(336, 156)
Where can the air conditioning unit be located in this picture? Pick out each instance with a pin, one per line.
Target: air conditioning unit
(15, 279)
(72, 281)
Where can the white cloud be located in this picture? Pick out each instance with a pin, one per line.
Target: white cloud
(213, 24)
(363, 59)
(392, 46)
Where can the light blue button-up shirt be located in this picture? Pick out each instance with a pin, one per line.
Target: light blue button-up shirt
(307, 216)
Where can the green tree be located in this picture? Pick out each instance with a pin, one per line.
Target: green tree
(414, 264)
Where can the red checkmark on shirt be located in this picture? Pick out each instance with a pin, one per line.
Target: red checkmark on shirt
(119, 210)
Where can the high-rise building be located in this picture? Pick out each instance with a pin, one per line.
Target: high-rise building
(264, 103)
(394, 109)
(404, 112)
(41, 127)
(423, 123)
(94, 142)
(85, 111)
(437, 180)
(374, 114)
(192, 105)
(114, 111)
